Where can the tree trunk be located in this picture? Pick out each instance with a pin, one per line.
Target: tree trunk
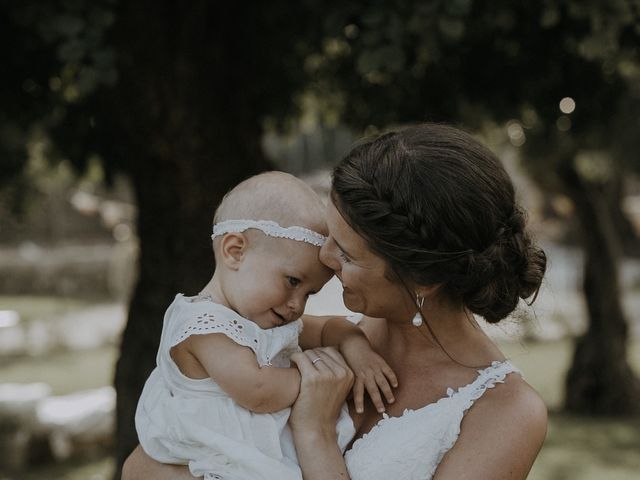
(626, 232)
(190, 132)
(600, 380)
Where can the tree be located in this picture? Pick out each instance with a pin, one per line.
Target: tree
(562, 72)
(172, 94)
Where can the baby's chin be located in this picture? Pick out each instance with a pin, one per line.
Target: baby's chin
(271, 319)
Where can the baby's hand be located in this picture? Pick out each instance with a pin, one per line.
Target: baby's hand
(371, 373)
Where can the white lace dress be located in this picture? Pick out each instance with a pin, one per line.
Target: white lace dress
(410, 447)
(187, 421)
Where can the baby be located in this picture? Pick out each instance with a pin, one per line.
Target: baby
(219, 397)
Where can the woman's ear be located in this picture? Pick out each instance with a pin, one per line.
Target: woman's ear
(233, 248)
(428, 291)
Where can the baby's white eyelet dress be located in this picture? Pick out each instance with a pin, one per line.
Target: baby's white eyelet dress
(181, 420)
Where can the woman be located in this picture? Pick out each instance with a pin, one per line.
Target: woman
(424, 232)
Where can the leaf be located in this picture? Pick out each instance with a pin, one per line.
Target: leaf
(452, 28)
(550, 17)
(68, 25)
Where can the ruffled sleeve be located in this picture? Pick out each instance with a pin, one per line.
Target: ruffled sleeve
(215, 319)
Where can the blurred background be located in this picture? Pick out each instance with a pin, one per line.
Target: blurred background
(122, 124)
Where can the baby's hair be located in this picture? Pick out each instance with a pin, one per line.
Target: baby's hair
(274, 196)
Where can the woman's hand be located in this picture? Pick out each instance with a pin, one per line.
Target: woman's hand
(325, 384)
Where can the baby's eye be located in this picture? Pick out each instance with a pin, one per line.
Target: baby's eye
(293, 281)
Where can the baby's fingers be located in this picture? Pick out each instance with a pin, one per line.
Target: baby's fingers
(358, 395)
(391, 376)
(384, 386)
(374, 394)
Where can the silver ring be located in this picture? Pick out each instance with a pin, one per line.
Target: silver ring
(316, 360)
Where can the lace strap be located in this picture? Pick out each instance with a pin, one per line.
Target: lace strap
(271, 229)
(487, 378)
(207, 321)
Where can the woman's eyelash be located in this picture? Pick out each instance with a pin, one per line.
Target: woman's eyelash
(343, 256)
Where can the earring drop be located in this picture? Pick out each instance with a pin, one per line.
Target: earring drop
(417, 318)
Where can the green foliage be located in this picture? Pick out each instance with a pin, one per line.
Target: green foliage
(471, 60)
(55, 55)
(63, 59)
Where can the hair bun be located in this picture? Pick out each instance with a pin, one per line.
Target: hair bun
(516, 221)
(509, 270)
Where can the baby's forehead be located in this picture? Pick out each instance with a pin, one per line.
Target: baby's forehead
(274, 196)
(294, 250)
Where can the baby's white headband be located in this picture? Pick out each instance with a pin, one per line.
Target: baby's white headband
(271, 229)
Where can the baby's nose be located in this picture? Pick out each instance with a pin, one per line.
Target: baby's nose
(296, 306)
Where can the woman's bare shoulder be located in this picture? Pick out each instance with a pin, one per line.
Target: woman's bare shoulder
(501, 434)
(512, 401)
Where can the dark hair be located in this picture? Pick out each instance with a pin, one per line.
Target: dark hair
(440, 209)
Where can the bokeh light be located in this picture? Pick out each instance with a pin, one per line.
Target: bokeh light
(567, 105)
(563, 123)
(515, 132)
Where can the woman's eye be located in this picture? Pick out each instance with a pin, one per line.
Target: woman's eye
(342, 255)
(293, 281)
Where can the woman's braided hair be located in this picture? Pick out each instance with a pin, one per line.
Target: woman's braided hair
(440, 209)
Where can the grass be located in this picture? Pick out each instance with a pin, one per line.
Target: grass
(66, 371)
(589, 449)
(545, 365)
(31, 307)
(581, 448)
(89, 469)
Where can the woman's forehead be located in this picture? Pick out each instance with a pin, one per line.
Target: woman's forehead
(350, 241)
(340, 230)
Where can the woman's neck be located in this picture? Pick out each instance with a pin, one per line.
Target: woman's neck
(446, 334)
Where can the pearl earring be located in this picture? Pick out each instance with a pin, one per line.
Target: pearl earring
(417, 318)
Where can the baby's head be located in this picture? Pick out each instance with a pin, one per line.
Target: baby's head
(267, 234)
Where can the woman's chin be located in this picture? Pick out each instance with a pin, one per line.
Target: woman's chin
(351, 302)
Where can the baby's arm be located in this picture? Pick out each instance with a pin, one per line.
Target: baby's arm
(235, 368)
(371, 371)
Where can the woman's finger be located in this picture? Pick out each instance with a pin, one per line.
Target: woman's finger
(317, 360)
(336, 364)
(303, 362)
(335, 355)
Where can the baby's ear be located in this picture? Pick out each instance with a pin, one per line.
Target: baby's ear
(233, 247)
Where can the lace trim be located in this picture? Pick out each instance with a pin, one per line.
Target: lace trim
(271, 229)
(466, 395)
(487, 378)
(207, 322)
